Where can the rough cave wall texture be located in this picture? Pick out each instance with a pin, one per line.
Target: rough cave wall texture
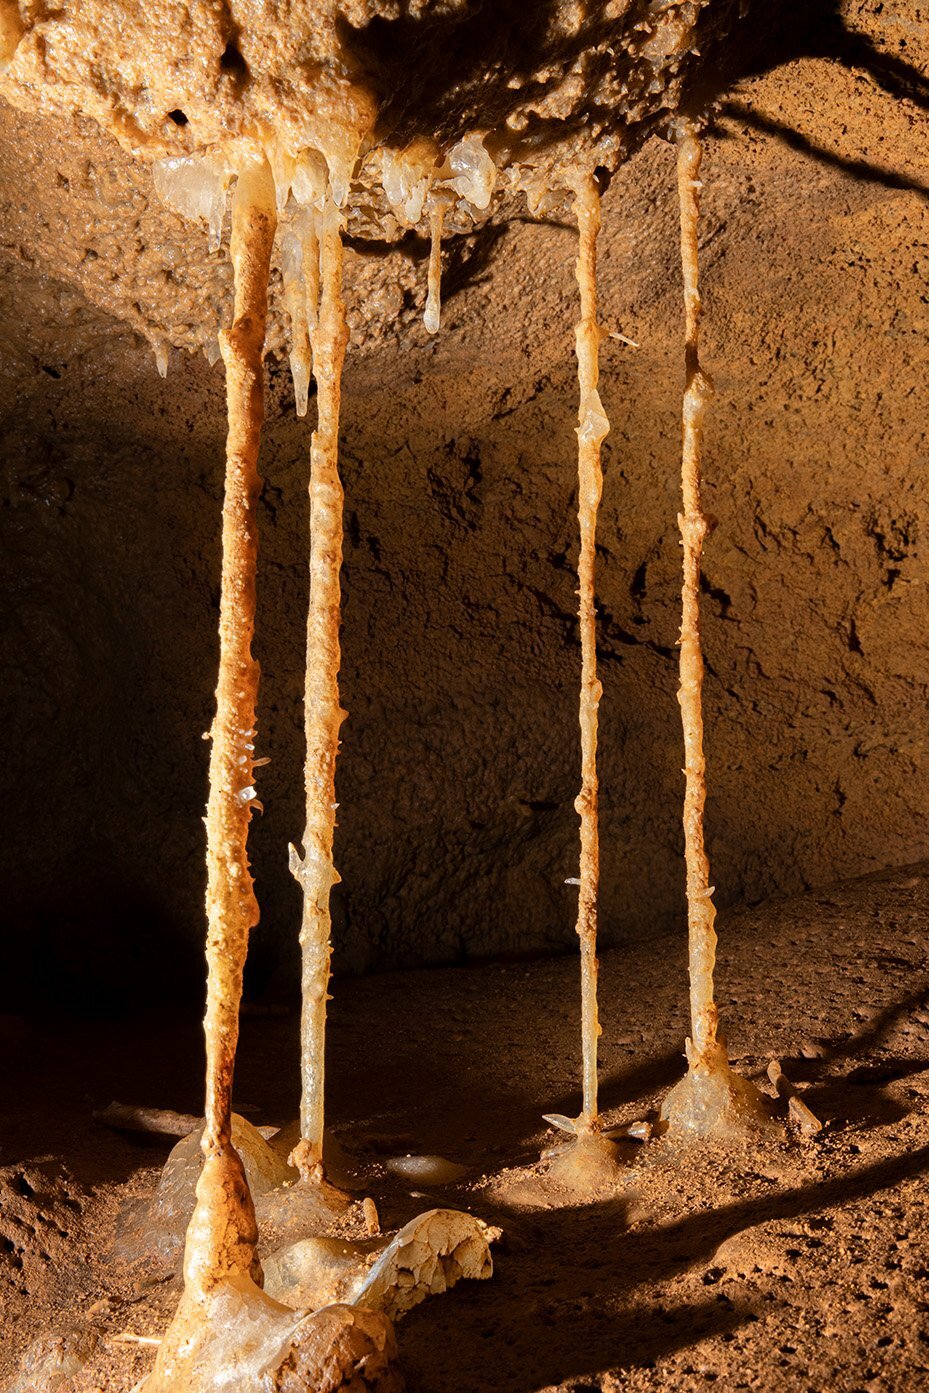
(460, 758)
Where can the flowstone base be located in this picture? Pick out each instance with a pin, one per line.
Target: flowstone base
(306, 1260)
(587, 1165)
(712, 1100)
(298, 1209)
(237, 1336)
(631, 1291)
(287, 1208)
(157, 1228)
(392, 1275)
(588, 1169)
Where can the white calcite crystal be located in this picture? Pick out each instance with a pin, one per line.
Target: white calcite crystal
(407, 176)
(195, 186)
(594, 424)
(474, 174)
(310, 179)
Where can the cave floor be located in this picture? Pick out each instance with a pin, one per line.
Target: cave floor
(801, 1265)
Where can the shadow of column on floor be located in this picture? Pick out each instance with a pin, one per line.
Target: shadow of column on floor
(557, 1307)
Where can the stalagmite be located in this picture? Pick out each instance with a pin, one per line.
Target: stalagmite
(157, 1228)
(590, 1159)
(225, 1328)
(711, 1099)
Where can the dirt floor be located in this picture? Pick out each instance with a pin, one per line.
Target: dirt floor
(798, 1264)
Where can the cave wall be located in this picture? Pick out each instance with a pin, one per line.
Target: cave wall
(460, 654)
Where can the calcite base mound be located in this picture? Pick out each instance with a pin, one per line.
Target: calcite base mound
(237, 1336)
(712, 1100)
(588, 1164)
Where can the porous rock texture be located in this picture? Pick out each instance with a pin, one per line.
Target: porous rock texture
(460, 760)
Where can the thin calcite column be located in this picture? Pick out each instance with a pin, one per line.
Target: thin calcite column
(591, 1158)
(701, 912)
(323, 713)
(711, 1099)
(591, 430)
(221, 1305)
(224, 1219)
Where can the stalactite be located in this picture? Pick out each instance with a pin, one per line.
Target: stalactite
(432, 315)
(298, 248)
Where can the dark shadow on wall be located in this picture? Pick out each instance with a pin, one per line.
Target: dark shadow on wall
(436, 66)
(771, 33)
(94, 946)
(864, 170)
